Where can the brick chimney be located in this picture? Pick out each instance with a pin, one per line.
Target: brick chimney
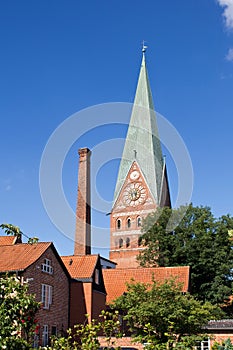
(83, 212)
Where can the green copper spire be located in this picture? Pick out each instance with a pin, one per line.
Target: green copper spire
(142, 142)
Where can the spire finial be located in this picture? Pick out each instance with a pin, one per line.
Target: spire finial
(144, 47)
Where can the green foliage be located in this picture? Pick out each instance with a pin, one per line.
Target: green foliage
(226, 345)
(17, 314)
(12, 230)
(161, 314)
(85, 336)
(198, 240)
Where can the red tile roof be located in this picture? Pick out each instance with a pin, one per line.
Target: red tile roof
(115, 279)
(20, 256)
(7, 240)
(80, 266)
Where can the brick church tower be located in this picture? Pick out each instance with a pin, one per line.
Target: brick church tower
(142, 183)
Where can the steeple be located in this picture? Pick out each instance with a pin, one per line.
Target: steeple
(142, 141)
(142, 184)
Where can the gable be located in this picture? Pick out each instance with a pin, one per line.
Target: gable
(80, 266)
(18, 257)
(135, 191)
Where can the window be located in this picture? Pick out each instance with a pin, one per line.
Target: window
(129, 223)
(118, 224)
(46, 266)
(127, 242)
(54, 330)
(45, 335)
(203, 345)
(140, 241)
(36, 341)
(46, 295)
(120, 243)
(97, 276)
(139, 222)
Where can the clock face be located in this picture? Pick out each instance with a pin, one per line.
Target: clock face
(134, 194)
(134, 175)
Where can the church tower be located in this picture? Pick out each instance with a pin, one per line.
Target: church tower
(142, 183)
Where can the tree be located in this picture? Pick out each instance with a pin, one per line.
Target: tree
(160, 314)
(15, 231)
(226, 345)
(17, 314)
(195, 238)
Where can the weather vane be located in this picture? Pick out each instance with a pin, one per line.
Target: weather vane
(144, 47)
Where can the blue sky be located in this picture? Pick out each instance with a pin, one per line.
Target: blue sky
(59, 57)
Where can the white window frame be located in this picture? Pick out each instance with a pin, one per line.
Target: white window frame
(36, 341)
(45, 335)
(203, 345)
(47, 266)
(46, 295)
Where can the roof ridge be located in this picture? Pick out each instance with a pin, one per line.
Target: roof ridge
(147, 268)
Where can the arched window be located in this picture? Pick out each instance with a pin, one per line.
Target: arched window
(127, 242)
(128, 222)
(139, 222)
(118, 224)
(139, 241)
(120, 243)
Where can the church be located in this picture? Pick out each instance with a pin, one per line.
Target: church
(141, 187)
(71, 287)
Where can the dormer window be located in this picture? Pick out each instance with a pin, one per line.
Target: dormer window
(47, 266)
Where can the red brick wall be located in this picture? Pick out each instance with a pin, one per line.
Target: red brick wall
(57, 314)
(87, 288)
(125, 342)
(125, 256)
(98, 302)
(220, 336)
(83, 212)
(77, 303)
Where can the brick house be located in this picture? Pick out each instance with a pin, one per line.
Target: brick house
(87, 290)
(48, 279)
(219, 331)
